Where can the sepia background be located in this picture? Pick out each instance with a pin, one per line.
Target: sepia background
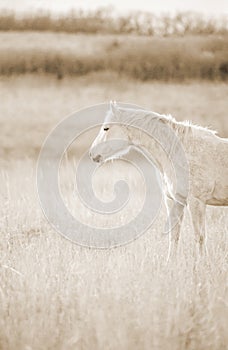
(58, 57)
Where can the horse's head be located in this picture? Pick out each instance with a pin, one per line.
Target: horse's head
(112, 140)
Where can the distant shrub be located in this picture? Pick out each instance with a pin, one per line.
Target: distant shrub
(142, 58)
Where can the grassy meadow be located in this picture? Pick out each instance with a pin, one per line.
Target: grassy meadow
(57, 295)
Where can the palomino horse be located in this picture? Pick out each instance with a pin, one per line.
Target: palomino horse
(206, 156)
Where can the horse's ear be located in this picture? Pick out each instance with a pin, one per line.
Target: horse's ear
(113, 106)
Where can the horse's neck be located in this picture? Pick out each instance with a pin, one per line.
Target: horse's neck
(153, 150)
(165, 144)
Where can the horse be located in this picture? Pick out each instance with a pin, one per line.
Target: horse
(205, 163)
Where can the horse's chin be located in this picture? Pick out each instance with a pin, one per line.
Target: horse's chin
(115, 156)
(111, 158)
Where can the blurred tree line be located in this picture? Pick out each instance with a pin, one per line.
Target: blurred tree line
(107, 21)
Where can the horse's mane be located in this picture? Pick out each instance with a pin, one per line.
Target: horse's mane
(146, 118)
(187, 125)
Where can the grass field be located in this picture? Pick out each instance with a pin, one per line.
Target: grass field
(57, 295)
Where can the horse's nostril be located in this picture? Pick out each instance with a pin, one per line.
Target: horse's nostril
(97, 158)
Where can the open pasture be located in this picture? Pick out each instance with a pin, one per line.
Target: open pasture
(57, 295)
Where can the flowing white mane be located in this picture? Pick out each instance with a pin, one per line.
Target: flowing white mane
(146, 119)
(188, 124)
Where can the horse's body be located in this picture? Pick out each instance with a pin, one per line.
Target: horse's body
(206, 155)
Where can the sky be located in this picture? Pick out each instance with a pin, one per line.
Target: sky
(209, 7)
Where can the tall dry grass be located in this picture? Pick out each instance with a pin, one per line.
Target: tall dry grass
(57, 295)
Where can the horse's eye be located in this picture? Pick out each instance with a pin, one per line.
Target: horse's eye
(106, 129)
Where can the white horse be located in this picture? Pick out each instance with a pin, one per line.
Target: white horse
(206, 156)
